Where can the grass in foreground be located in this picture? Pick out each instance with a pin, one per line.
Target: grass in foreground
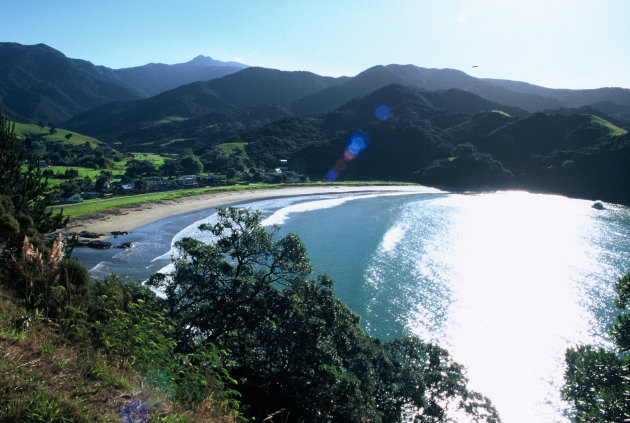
(43, 379)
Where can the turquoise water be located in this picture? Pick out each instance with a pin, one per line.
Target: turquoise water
(505, 281)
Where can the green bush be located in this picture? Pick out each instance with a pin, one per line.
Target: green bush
(41, 407)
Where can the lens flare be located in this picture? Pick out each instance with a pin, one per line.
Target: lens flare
(383, 112)
(332, 175)
(358, 142)
(134, 411)
(341, 165)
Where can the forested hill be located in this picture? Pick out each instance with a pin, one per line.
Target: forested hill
(39, 83)
(249, 88)
(453, 139)
(529, 97)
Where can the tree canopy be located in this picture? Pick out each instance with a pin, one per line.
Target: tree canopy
(24, 199)
(597, 380)
(297, 350)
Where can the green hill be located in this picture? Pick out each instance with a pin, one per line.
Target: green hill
(24, 130)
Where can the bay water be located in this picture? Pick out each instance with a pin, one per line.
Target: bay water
(505, 281)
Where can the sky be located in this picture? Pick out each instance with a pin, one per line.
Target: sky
(554, 43)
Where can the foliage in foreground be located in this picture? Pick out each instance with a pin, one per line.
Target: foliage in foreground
(76, 350)
(597, 380)
(24, 199)
(46, 378)
(298, 352)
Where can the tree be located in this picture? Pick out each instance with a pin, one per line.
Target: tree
(597, 380)
(140, 168)
(191, 165)
(101, 182)
(297, 350)
(24, 195)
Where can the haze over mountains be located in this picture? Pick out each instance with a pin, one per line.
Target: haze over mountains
(40, 83)
(444, 128)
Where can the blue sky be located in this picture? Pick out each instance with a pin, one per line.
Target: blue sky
(555, 43)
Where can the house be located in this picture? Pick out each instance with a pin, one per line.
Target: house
(120, 188)
(90, 195)
(159, 184)
(71, 198)
(187, 181)
(206, 180)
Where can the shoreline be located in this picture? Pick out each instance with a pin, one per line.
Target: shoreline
(130, 218)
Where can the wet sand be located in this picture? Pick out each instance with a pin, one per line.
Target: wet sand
(127, 219)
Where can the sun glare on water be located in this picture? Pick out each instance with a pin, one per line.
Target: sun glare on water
(511, 263)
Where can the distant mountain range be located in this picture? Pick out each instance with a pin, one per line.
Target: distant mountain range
(442, 127)
(39, 83)
(455, 140)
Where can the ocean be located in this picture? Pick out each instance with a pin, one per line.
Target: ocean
(505, 281)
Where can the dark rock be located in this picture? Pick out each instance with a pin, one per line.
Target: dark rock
(91, 235)
(125, 245)
(598, 205)
(116, 234)
(101, 245)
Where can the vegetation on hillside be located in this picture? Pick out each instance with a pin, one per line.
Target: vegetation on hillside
(117, 331)
(597, 380)
(240, 331)
(296, 350)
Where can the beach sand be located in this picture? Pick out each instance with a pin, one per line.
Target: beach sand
(128, 219)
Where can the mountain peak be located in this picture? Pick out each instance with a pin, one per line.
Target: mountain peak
(203, 60)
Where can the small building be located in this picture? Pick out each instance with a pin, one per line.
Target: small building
(206, 180)
(71, 198)
(159, 184)
(187, 181)
(90, 195)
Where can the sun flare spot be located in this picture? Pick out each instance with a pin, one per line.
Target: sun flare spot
(461, 17)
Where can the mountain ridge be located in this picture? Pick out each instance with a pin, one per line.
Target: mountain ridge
(58, 89)
(40, 83)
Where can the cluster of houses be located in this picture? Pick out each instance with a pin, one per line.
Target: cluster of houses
(280, 174)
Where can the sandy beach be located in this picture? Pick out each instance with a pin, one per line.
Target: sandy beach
(128, 219)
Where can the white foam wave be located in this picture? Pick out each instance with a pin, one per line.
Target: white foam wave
(392, 237)
(284, 206)
(168, 269)
(282, 215)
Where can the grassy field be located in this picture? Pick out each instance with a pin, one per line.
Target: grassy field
(169, 119)
(501, 112)
(613, 130)
(157, 159)
(233, 148)
(92, 207)
(83, 172)
(25, 129)
(117, 171)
